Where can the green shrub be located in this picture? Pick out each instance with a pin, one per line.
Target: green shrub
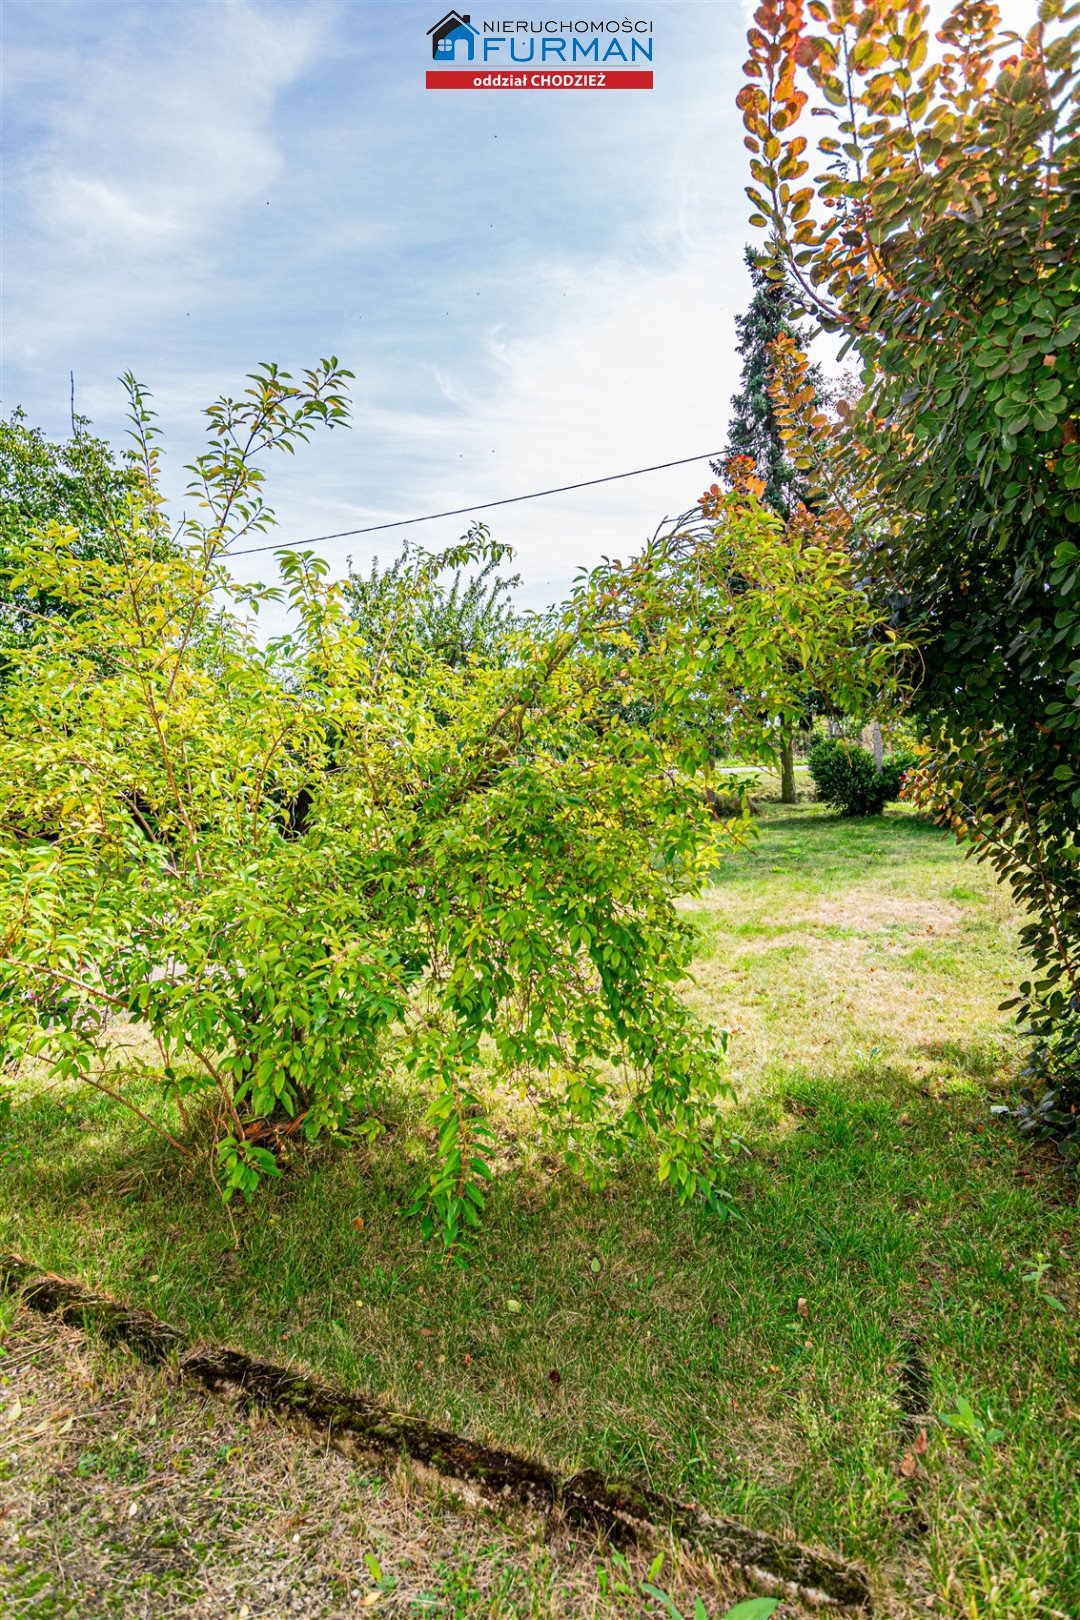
(359, 852)
(894, 770)
(845, 776)
(1047, 1107)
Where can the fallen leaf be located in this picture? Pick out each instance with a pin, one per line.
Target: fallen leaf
(921, 1442)
(467, 1360)
(513, 1306)
(13, 1412)
(803, 1307)
(908, 1465)
(358, 1222)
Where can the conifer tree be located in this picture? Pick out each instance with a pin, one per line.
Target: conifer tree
(755, 432)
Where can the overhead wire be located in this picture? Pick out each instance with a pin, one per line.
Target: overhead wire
(463, 511)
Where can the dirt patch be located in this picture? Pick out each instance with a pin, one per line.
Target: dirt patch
(869, 911)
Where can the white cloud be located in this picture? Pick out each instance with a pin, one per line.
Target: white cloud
(125, 200)
(630, 365)
(532, 291)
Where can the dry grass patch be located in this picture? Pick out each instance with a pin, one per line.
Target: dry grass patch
(867, 911)
(124, 1493)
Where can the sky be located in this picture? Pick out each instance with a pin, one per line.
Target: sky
(532, 288)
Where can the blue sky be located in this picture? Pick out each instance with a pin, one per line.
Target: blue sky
(532, 288)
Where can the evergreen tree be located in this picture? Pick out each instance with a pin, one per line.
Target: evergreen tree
(754, 430)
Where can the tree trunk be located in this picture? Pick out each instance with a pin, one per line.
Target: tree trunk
(788, 794)
(879, 748)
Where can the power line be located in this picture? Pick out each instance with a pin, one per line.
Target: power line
(462, 511)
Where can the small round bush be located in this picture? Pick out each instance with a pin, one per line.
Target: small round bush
(845, 776)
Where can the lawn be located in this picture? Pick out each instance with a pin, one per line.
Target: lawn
(899, 1253)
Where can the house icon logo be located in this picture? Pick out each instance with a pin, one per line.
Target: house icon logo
(451, 30)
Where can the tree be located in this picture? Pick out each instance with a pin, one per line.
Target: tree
(414, 617)
(485, 880)
(76, 483)
(941, 241)
(754, 431)
(822, 639)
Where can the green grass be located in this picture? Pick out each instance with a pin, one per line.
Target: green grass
(859, 967)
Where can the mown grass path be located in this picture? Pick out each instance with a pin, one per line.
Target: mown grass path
(790, 1368)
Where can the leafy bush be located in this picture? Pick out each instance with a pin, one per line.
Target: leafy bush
(471, 617)
(845, 776)
(729, 803)
(1053, 1110)
(314, 865)
(76, 483)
